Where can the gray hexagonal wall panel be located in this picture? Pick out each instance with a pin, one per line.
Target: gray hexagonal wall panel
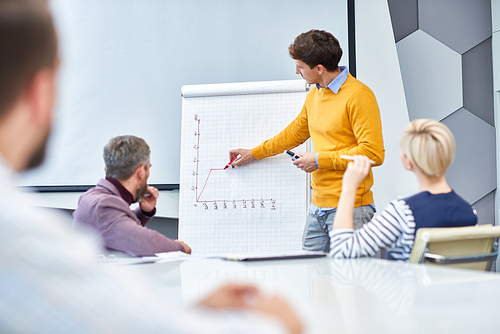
(404, 17)
(473, 174)
(459, 24)
(477, 69)
(432, 76)
(485, 208)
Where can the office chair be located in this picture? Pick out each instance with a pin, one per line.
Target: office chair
(471, 247)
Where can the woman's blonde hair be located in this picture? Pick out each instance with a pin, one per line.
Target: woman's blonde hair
(429, 145)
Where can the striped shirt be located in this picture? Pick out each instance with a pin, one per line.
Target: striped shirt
(393, 229)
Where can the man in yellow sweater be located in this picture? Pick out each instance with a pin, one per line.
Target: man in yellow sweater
(342, 117)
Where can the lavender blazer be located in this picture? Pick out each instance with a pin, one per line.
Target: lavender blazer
(105, 211)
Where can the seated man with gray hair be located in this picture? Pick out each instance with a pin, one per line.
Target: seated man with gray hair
(106, 207)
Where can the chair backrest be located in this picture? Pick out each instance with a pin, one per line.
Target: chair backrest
(471, 247)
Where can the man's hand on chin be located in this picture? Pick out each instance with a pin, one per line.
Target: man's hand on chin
(148, 203)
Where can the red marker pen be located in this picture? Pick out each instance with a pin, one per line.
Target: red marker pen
(231, 162)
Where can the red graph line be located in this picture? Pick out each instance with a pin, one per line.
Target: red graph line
(207, 181)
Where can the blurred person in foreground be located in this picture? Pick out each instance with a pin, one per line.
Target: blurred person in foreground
(49, 280)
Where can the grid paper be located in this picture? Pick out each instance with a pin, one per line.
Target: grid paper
(259, 207)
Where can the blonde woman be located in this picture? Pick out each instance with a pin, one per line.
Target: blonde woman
(427, 149)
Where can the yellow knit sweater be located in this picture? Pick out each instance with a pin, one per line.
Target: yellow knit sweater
(344, 123)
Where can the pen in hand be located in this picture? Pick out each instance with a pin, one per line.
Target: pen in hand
(293, 155)
(230, 164)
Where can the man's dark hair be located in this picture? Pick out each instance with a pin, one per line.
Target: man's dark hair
(123, 155)
(27, 44)
(317, 47)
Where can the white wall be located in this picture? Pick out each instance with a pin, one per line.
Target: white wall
(378, 67)
(123, 63)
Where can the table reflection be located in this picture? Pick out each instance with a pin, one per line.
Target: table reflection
(352, 295)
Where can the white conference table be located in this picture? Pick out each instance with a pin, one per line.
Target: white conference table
(349, 296)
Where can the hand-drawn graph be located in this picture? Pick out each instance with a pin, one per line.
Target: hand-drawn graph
(227, 202)
(258, 207)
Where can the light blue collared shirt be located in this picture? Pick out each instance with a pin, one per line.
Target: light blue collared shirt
(339, 80)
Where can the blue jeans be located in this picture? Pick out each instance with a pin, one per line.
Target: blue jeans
(316, 232)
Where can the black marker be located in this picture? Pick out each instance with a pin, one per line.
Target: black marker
(293, 155)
